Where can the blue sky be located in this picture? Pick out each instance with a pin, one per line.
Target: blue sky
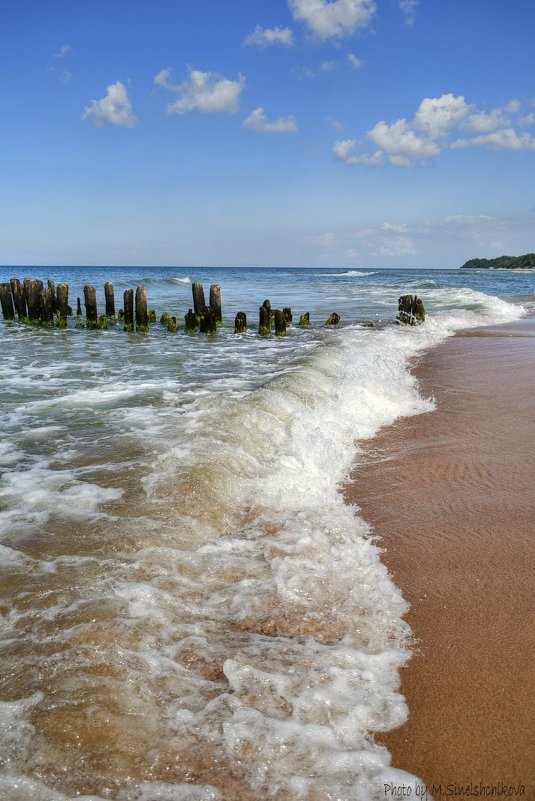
(354, 133)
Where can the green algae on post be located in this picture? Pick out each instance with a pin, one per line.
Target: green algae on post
(264, 325)
(240, 323)
(332, 319)
(190, 322)
(280, 323)
(304, 319)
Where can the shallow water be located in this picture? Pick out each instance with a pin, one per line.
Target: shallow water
(189, 609)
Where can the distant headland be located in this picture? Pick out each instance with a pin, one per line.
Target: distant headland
(526, 262)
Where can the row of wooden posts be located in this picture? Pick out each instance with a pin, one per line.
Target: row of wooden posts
(37, 305)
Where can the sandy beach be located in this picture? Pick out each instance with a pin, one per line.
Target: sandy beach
(451, 496)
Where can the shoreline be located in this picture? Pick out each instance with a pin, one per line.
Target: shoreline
(449, 494)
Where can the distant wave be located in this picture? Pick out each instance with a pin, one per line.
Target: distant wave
(351, 273)
(184, 279)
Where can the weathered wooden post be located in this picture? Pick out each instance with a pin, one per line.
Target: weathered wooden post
(6, 300)
(129, 310)
(332, 319)
(215, 302)
(110, 299)
(198, 299)
(264, 325)
(32, 293)
(207, 323)
(47, 306)
(142, 315)
(152, 315)
(78, 308)
(240, 323)
(62, 300)
(90, 301)
(164, 318)
(287, 314)
(280, 323)
(172, 325)
(190, 321)
(304, 319)
(52, 293)
(17, 291)
(410, 310)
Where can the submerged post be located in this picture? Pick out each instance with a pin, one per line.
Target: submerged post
(142, 315)
(280, 323)
(332, 319)
(304, 319)
(32, 293)
(287, 315)
(207, 323)
(110, 299)
(90, 301)
(264, 324)
(410, 310)
(129, 310)
(6, 301)
(190, 322)
(17, 291)
(215, 302)
(240, 323)
(198, 299)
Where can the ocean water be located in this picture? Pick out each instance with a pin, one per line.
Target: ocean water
(189, 611)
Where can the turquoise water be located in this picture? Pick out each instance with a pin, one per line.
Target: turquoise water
(189, 609)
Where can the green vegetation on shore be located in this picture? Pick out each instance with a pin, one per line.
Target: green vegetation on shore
(502, 263)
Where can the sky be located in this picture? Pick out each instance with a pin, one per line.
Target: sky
(299, 133)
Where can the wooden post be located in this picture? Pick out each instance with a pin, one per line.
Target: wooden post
(62, 300)
(410, 310)
(172, 325)
(6, 300)
(264, 325)
(90, 301)
(78, 308)
(129, 310)
(215, 302)
(207, 323)
(110, 299)
(332, 319)
(52, 293)
(240, 323)
(198, 299)
(32, 293)
(142, 315)
(17, 291)
(304, 319)
(152, 315)
(190, 321)
(287, 314)
(47, 306)
(280, 323)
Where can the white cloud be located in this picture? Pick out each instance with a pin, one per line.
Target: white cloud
(64, 51)
(504, 139)
(257, 121)
(436, 115)
(205, 92)
(114, 109)
(402, 144)
(336, 124)
(265, 37)
(328, 66)
(343, 151)
(333, 19)
(397, 246)
(65, 77)
(354, 61)
(408, 7)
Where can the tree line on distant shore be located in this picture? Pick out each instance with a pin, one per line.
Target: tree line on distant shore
(527, 261)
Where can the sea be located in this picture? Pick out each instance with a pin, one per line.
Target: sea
(189, 611)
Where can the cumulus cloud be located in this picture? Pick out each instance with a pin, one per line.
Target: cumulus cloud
(435, 126)
(257, 121)
(114, 109)
(205, 92)
(334, 19)
(265, 37)
(354, 61)
(64, 51)
(408, 7)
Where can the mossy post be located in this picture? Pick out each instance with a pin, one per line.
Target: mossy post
(90, 302)
(129, 310)
(332, 319)
(240, 323)
(110, 299)
(410, 310)
(207, 323)
(304, 320)
(19, 299)
(142, 314)
(215, 302)
(32, 293)
(198, 299)
(172, 325)
(152, 315)
(47, 306)
(6, 300)
(287, 315)
(264, 322)
(62, 300)
(280, 323)
(190, 322)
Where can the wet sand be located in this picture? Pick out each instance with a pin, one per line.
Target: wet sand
(451, 494)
